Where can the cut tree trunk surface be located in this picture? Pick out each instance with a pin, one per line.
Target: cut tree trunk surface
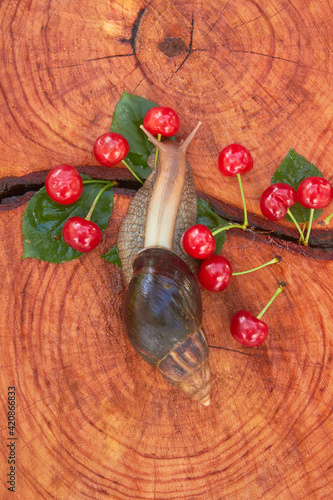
(92, 419)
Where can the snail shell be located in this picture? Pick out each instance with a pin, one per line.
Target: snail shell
(162, 317)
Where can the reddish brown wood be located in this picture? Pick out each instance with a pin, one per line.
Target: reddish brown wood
(92, 417)
(259, 75)
(93, 420)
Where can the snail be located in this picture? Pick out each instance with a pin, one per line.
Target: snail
(162, 308)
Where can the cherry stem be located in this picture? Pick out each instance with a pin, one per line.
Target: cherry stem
(96, 181)
(132, 172)
(226, 228)
(326, 221)
(92, 208)
(281, 287)
(273, 261)
(243, 200)
(306, 241)
(289, 212)
(159, 137)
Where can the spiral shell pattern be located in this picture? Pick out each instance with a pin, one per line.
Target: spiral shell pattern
(162, 315)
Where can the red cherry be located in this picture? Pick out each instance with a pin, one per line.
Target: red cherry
(315, 192)
(276, 200)
(199, 242)
(215, 273)
(235, 159)
(64, 184)
(110, 149)
(161, 120)
(81, 234)
(247, 329)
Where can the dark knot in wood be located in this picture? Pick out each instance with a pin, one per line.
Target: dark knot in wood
(171, 47)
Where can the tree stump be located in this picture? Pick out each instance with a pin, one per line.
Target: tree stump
(92, 419)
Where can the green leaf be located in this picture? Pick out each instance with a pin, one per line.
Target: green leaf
(213, 221)
(43, 220)
(293, 170)
(127, 118)
(113, 256)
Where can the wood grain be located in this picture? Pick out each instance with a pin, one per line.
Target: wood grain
(93, 420)
(256, 74)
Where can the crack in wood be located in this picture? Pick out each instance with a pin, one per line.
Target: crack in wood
(15, 187)
(19, 186)
(271, 56)
(109, 57)
(220, 16)
(190, 46)
(235, 350)
(135, 28)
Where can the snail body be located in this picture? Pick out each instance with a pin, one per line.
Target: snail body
(162, 310)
